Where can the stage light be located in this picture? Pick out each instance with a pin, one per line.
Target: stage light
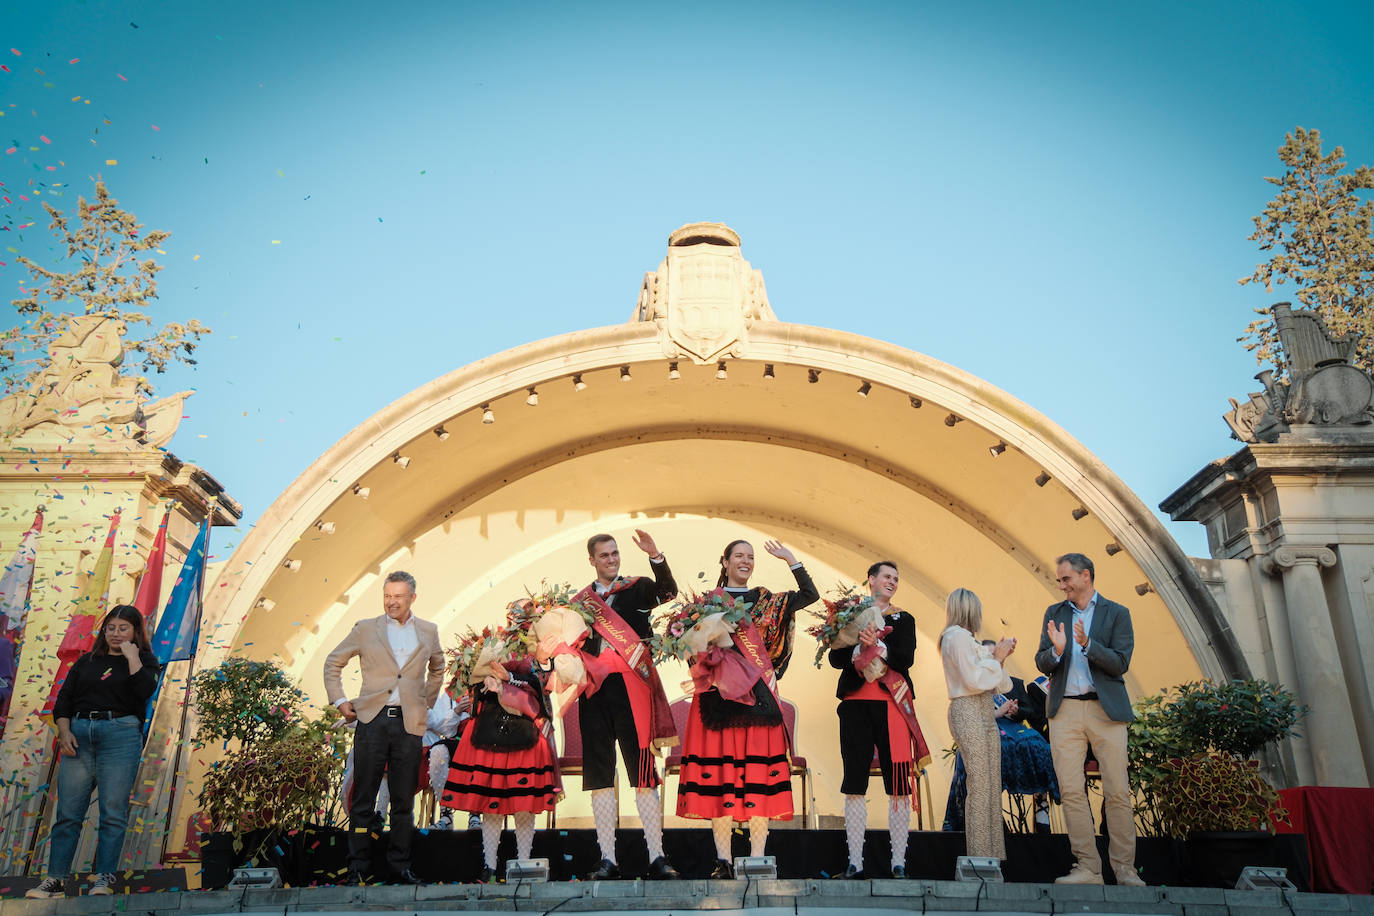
(255, 877)
(768, 371)
(267, 604)
(1079, 514)
(813, 375)
(952, 419)
(533, 398)
(441, 434)
(720, 370)
(982, 869)
(1041, 479)
(361, 491)
(916, 402)
(293, 565)
(673, 374)
(527, 870)
(864, 389)
(578, 384)
(400, 459)
(1113, 549)
(625, 374)
(1144, 589)
(487, 416)
(1259, 878)
(324, 527)
(756, 867)
(997, 449)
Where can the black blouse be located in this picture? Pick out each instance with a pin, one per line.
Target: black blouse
(102, 683)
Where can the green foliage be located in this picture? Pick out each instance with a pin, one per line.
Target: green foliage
(1216, 792)
(108, 279)
(246, 701)
(1217, 721)
(285, 768)
(1319, 233)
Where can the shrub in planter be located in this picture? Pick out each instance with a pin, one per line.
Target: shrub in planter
(1216, 792)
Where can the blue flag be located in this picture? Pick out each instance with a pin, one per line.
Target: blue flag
(179, 627)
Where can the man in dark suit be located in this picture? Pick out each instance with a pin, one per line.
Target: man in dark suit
(402, 669)
(1086, 650)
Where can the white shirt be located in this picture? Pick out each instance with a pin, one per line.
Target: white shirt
(969, 666)
(404, 640)
(1079, 678)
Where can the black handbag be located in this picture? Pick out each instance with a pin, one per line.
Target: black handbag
(499, 730)
(718, 713)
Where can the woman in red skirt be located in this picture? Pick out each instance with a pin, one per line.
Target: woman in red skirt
(735, 754)
(505, 762)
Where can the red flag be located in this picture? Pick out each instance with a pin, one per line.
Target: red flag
(150, 586)
(89, 607)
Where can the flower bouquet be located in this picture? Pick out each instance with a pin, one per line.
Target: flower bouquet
(556, 626)
(848, 615)
(471, 660)
(692, 626)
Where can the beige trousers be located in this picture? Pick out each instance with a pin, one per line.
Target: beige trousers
(975, 730)
(1077, 724)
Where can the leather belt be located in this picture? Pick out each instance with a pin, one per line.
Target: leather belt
(97, 714)
(1082, 696)
(392, 712)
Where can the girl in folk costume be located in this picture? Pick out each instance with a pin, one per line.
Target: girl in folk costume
(874, 653)
(735, 763)
(505, 762)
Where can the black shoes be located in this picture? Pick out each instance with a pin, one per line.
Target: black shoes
(898, 871)
(351, 878)
(406, 877)
(723, 870)
(486, 875)
(661, 869)
(607, 871)
(851, 873)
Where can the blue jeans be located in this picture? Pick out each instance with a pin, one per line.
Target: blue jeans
(107, 755)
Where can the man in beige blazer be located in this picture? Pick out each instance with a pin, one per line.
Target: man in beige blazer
(403, 667)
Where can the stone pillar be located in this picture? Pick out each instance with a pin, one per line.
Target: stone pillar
(1333, 747)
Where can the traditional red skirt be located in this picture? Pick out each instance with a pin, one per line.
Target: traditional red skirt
(502, 782)
(739, 772)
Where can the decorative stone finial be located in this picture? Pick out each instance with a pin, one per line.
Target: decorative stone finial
(1322, 388)
(704, 296)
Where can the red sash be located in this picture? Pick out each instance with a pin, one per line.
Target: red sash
(649, 703)
(908, 747)
(750, 643)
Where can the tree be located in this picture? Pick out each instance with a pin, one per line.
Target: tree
(1319, 231)
(111, 281)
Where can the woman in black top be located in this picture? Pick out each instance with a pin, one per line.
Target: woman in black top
(99, 718)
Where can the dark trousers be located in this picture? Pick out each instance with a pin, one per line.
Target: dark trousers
(863, 727)
(383, 747)
(607, 720)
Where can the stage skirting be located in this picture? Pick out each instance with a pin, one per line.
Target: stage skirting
(318, 855)
(1339, 826)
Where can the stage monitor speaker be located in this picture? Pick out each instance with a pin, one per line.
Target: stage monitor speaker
(1258, 878)
(756, 867)
(527, 870)
(256, 877)
(978, 868)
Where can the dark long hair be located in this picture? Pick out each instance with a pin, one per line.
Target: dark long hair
(122, 612)
(724, 557)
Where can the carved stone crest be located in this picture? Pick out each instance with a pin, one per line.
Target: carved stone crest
(704, 296)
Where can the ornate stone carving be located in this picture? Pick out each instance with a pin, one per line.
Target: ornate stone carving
(1289, 556)
(82, 398)
(1322, 388)
(704, 296)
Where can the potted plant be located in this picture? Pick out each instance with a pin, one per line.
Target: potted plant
(1192, 753)
(279, 772)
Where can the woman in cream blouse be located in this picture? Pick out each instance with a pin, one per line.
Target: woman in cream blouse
(973, 672)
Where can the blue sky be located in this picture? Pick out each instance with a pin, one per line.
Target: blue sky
(364, 196)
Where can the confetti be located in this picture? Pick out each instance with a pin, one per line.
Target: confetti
(122, 76)
(112, 162)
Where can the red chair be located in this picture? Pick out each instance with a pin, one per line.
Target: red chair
(672, 764)
(799, 767)
(570, 762)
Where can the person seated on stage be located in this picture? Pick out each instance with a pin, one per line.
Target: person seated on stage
(506, 762)
(1027, 764)
(735, 751)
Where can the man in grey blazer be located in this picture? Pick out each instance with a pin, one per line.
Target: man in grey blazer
(1086, 650)
(402, 666)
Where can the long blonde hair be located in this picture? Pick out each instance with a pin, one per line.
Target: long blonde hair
(963, 609)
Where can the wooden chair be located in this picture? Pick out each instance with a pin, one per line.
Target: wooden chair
(672, 764)
(922, 781)
(799, 766)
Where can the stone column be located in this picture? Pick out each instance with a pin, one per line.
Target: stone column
(1333, 746)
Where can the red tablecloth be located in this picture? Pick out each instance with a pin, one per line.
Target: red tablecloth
(1339, 824)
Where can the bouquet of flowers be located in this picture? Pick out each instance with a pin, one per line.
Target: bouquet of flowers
(691, 626)
(848, 615)
(470, 661)
(555, 626)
